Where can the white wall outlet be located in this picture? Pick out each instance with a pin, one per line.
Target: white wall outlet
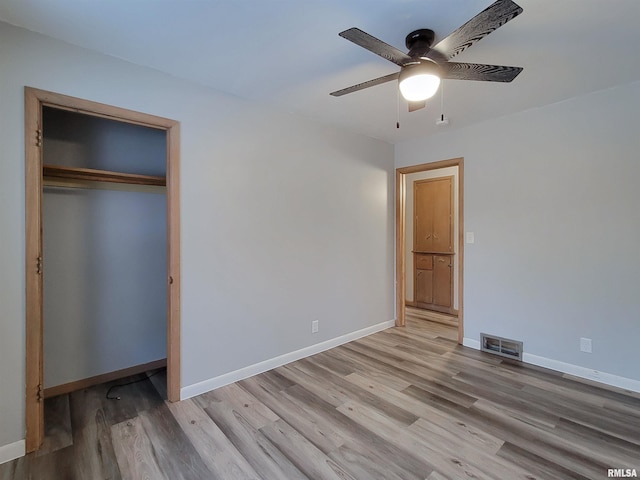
(471, 238)
(314, 326)
(585, 345)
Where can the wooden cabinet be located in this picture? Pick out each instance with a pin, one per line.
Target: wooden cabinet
(433, 243)
(433, 281)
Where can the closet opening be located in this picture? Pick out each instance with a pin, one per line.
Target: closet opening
(102, 249)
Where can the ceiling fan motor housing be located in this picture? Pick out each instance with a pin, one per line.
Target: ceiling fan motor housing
(419, 42)
(425, 67)
(425, 35)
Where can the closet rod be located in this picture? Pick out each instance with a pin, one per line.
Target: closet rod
(89, 174)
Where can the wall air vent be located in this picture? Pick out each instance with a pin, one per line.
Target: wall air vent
(501, 346)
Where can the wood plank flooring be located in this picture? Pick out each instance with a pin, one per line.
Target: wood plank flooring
(405, 403)
(431, 315)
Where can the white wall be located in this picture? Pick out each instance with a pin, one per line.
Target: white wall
(75, 140)
(552, 197)
(410, 181)
(283, 220)
(104, 282)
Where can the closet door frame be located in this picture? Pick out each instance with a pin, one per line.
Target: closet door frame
(35, 100)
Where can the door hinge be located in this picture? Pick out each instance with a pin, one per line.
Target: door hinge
(40, 392)
(39, 265)
(38, 138)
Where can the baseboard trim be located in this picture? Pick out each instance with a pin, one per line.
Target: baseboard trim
(610, 379)
(471, 343)
(582, 372)
(242, 373)
(103, 378)
(12, 451)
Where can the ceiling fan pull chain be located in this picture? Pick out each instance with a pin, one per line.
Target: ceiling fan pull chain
(398, 108)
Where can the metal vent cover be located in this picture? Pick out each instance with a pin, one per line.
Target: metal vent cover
(504, 347)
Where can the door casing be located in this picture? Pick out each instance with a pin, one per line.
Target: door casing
(401, 267)
(35, 100)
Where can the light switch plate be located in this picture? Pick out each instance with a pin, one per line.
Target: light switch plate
(471, 238)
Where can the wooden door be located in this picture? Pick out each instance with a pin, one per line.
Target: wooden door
(424, 286)
(423, 216)
(433, 215)
(443, 284)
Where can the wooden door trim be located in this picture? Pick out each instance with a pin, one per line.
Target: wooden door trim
(401, 198)
(33, 265)
(35, 99)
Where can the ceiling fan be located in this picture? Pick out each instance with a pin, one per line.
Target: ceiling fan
(423, 66)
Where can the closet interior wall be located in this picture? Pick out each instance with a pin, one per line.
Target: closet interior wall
(105, 249)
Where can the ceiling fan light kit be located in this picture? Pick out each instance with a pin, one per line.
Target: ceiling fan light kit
(420, 81)
(422, 68)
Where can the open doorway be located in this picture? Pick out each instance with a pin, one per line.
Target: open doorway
(452, 259)
(97, 182)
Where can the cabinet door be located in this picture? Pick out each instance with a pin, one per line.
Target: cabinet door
(424, 286)
(423, 216)
(442, 215)
(433, 215)
(442, 285)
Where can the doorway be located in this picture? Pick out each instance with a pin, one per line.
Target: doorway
(36, 103)
(401, 235)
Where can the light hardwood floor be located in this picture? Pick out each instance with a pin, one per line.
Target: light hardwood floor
(405, 403)
(430, 315)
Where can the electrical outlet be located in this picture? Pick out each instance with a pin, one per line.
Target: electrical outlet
(314, 326)
(585, 345)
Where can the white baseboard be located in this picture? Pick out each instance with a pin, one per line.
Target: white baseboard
(231, 377)
(469, 342)
(570, 369)
(582, 372)
(12, 451)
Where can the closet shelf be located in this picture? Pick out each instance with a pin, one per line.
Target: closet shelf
(89, 174)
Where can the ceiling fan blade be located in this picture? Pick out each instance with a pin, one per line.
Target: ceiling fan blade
(376, 46)
(490, 19)
(475, 71)
(413, 106)
(362, 86)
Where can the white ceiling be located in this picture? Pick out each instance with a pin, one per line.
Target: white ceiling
(287, 53)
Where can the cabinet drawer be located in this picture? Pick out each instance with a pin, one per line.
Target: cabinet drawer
(424, 262)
